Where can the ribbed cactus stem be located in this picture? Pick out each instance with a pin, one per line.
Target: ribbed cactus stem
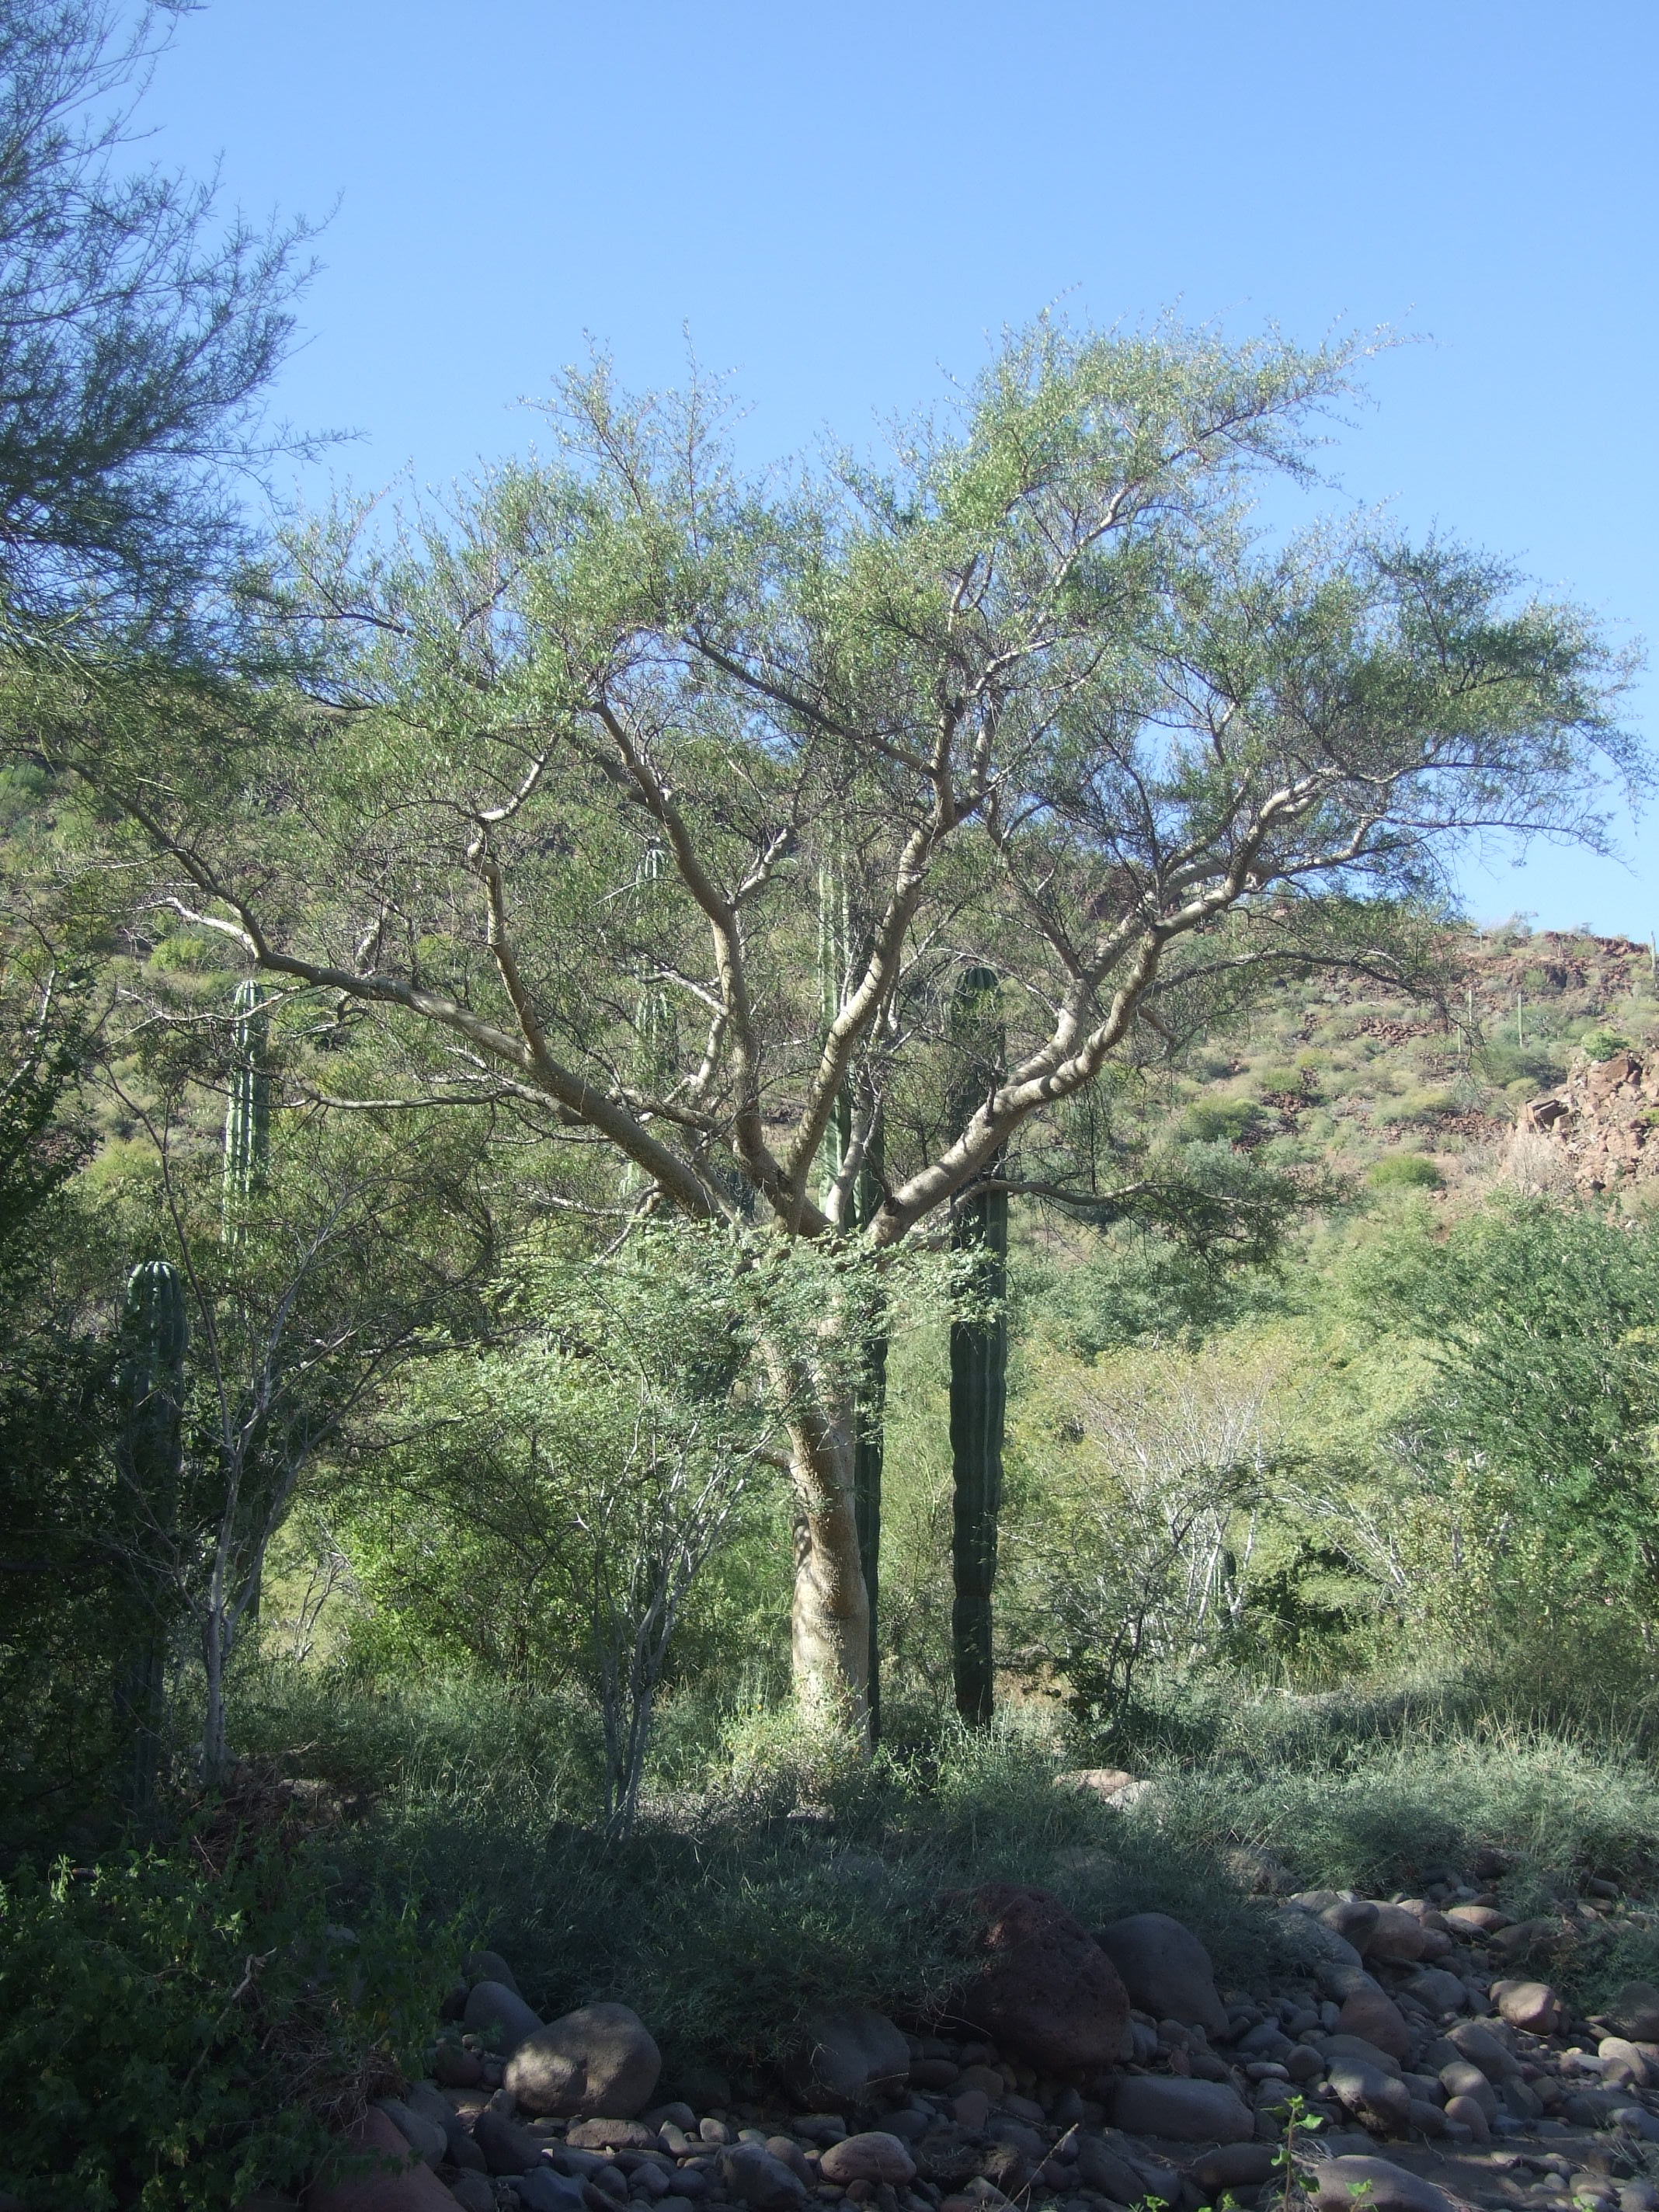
(247, 1110)
(156, 1332)
(870, 1397)
(979, 1358)
(154, 1336)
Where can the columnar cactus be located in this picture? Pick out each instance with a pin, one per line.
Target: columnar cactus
(247, 1110)
(869, 1408)
(979, 1358)
(155, 1332)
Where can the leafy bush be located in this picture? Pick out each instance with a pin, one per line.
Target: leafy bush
(1503, 1062)
(1602, 1043)
(1405, 1171)
(174, 2038)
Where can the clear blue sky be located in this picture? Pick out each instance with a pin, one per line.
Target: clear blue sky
(845, 201)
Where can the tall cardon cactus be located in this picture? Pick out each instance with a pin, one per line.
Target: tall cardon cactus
(979, 1356)
(247, 1110)
(154, 1332)
(870, 1399)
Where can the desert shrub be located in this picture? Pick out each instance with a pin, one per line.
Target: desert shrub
(1405, 1171)
(171, 2036)
(1602, 1043)
(1218, 1121)
(1503, 1062)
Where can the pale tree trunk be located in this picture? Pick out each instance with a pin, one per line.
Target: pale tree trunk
(830, 1620)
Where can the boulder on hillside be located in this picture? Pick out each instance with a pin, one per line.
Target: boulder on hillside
(541, 2190)
(875, 2157)
(757, 2180)
(1477, 1920)
(1439, 1989)
(410, 2186)
(1635, 2012)
(1468, 2112)
(1368, 2054)
(1463, 2079)
(1624, 2061)
(1046, 1992)
(848, 2056)
(1352, 1916)
(1236, 2165)
(1477, 2043)
(598, 2061)
(456, 2068)
(1372, 2096)
(1166, 1970)
(488, 1967)
(1399, 1936)
(1180, 2110)
(1530, 2005)
(1375, 2016)
(1383, 2185)
(500, 2015)
(1319, 1950)
(428, 2139)
(1106, 2172)
(507, 2146)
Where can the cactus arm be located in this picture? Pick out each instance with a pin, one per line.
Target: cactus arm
(247, 1110)
(979, 1362)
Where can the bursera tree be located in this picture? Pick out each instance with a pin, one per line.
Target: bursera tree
(1058, 712)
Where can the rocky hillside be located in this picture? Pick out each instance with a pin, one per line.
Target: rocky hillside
(1339, 1074)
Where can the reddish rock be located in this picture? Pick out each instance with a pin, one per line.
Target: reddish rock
(413, 2187)
(1478, 1919)
(1531, 2005)
(1398, 1935)
(875, 2157)
(1635, 2064)
(1468, 2112)
(1378, 2019)
(1046, 1991)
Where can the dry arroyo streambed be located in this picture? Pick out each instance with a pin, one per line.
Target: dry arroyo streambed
(1084, 2069)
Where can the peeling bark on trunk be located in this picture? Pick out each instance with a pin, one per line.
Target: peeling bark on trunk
(830, 1620)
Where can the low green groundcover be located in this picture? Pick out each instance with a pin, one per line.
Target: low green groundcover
(179, 2027)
